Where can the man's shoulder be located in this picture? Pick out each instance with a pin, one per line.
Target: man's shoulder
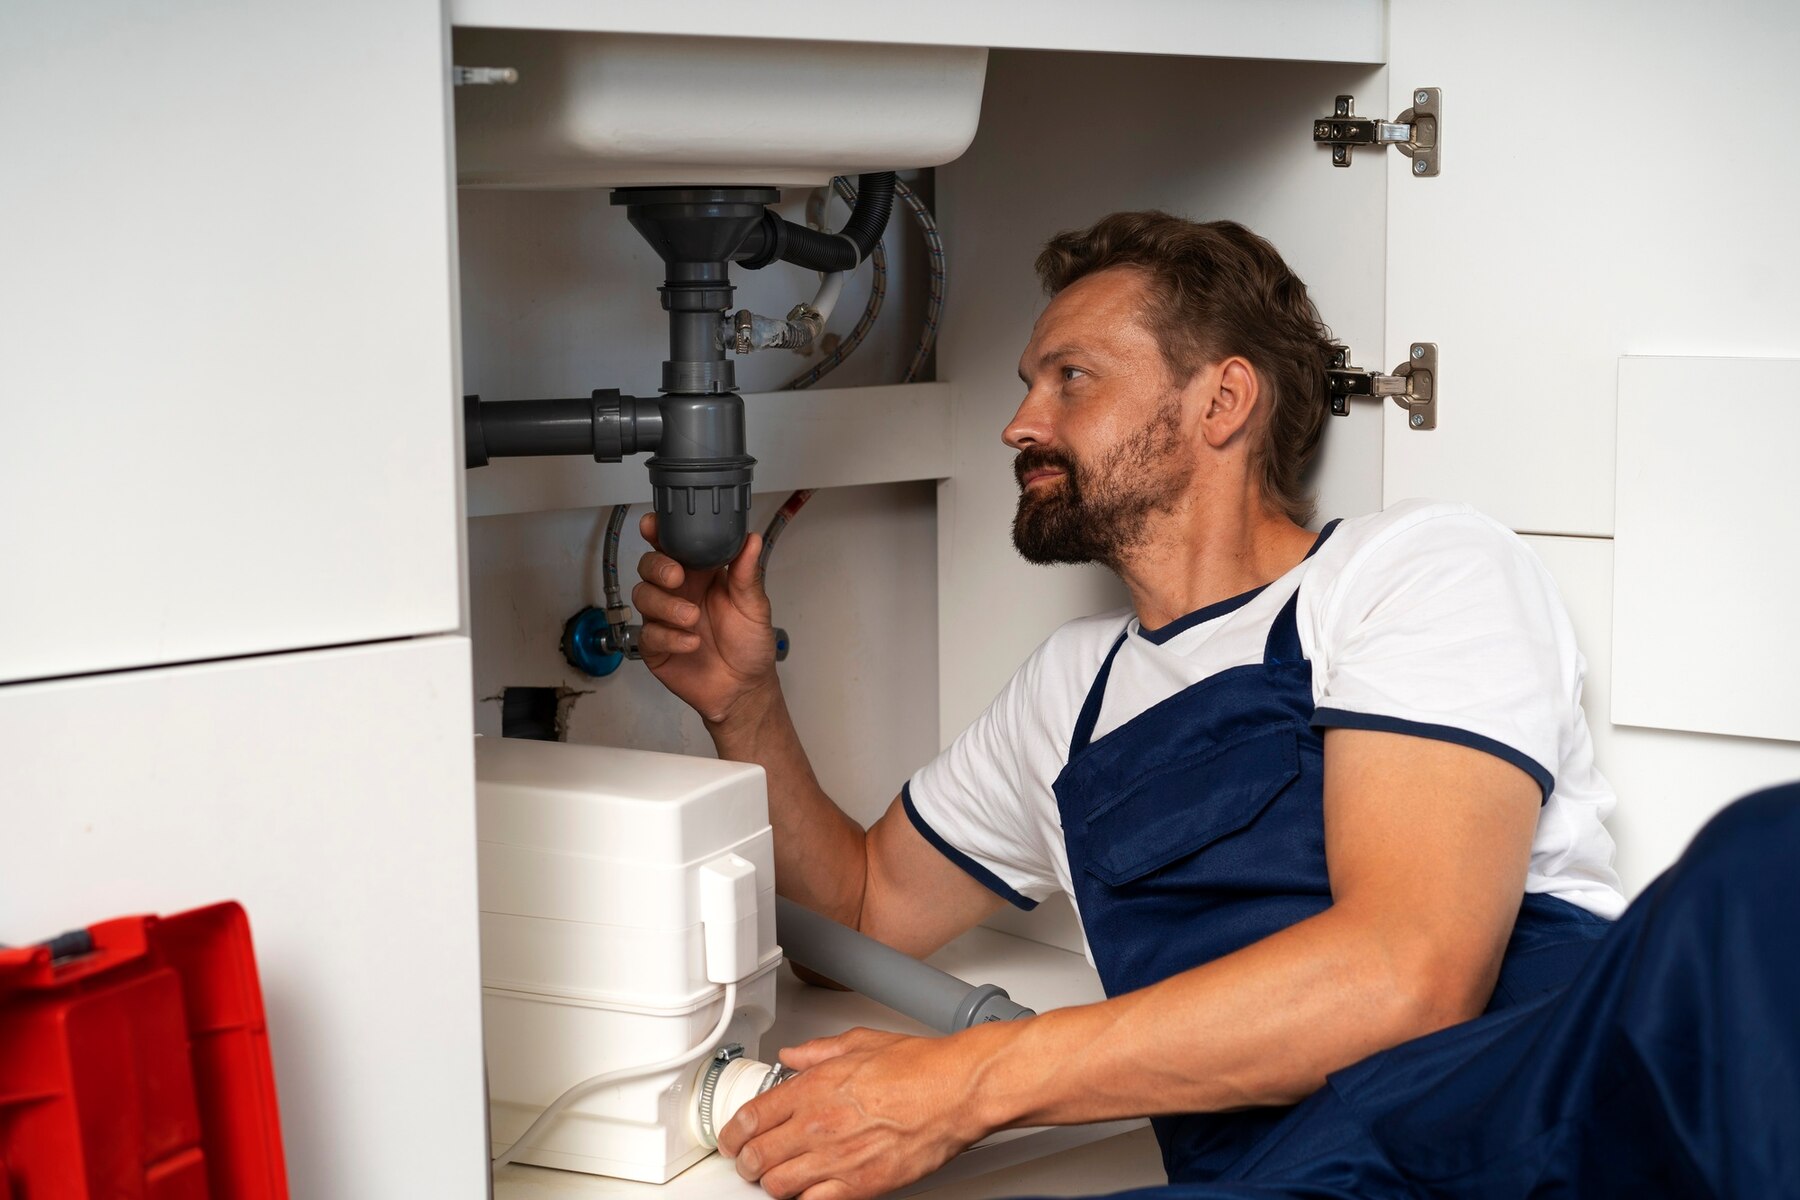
(1086, 637)
(1421, 557)
(1075, 648)
(1451, 518)
(1412, 529)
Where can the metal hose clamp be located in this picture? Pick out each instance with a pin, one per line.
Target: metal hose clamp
(709, 1083)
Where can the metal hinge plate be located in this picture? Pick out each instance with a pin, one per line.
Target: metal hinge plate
(1413, 384)
(1415, 132)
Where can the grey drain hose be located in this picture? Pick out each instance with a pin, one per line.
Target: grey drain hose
(887, 976)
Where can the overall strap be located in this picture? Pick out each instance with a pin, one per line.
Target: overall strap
(1090, 708)
(1283, 645)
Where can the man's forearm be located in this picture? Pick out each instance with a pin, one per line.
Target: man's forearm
(820, 853)
(1262, 1026)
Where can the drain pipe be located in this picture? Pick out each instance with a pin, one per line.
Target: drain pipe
(699, 477)
(932, 997)
(834, 254)
(606, 425)
(701, 472)
(887, 976)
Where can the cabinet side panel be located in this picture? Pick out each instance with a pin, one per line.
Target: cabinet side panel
(332, 794)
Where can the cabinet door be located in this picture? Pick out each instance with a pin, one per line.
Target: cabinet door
(227, 404)
(331, 792)
(1613, 184)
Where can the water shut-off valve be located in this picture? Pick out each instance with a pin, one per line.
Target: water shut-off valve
(596, 641)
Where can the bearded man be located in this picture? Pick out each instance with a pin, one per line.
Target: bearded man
(1326, 803)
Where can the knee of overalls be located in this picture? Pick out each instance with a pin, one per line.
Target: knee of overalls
(1753, 844)
(1732, 895)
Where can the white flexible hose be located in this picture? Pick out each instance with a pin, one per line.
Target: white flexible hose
(610, 1077)
(831, 286)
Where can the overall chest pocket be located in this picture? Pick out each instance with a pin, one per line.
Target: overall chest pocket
(1190, 803)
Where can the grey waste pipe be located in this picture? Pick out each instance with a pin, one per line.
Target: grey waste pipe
(887, 976)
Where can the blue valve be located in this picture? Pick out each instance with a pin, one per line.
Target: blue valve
(588, 645)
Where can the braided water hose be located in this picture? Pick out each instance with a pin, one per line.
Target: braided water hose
(934, 301)
(934, 308)
(877, 294)
(609, 561)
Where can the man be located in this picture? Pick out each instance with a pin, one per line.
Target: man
(1316, 796)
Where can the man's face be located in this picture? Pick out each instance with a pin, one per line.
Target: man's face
(1102, 437)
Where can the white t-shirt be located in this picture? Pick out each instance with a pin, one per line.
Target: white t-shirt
(1426, 619)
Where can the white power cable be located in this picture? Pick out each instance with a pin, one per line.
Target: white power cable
(610, 1077)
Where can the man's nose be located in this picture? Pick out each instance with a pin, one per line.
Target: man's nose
(1029, 425)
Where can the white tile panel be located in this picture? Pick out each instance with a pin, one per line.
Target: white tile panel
(1705, 570)
(1669, 784)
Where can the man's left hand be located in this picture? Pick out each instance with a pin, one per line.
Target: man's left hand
(870, 1112)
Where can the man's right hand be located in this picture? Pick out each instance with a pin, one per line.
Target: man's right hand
(707, 635)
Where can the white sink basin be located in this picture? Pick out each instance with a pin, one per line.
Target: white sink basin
(606, 109)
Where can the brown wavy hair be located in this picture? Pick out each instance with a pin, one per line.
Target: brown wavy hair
(1217, 290)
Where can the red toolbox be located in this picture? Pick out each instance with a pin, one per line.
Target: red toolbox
(134, 1062)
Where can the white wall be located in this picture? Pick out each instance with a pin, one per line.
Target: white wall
(1065, 139)
(851, 581)
(559, 297)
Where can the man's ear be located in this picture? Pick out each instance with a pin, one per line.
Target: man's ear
(1230, 395)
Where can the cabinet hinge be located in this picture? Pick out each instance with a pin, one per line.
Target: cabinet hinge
(1415, 132)
(1413, 385)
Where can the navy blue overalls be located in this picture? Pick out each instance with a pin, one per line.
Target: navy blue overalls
(1196, 828)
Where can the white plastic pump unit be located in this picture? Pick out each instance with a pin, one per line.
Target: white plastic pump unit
(615, 110)
(620, 890)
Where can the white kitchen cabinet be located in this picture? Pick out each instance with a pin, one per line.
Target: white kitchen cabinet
(332, 794)
(1610, 187)
(227, 398)
(228, 426)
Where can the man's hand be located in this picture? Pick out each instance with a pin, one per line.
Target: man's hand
(707, 634)
(870, 1112)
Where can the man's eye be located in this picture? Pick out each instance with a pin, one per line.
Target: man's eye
(1069, 373)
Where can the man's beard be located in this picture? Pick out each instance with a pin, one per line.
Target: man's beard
(1100, 514)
